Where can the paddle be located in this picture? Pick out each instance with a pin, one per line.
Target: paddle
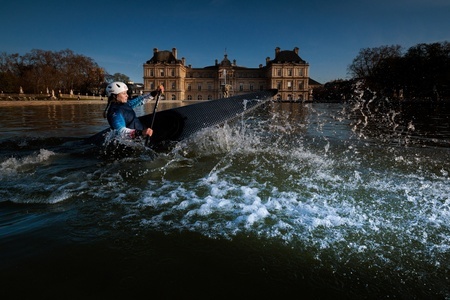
(158, 95)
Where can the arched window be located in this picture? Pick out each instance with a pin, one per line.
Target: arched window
(199, 97)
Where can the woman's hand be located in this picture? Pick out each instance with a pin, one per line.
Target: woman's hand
(147, 132)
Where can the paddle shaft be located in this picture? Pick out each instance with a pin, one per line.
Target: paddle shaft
(155, 108)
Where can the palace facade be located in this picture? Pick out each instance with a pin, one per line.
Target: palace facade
(287, 72)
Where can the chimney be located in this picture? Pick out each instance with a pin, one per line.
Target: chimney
(296, 50)
(155, 50)
(174, 52)
(277, 50)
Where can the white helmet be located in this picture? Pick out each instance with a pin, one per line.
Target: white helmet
(116, 88)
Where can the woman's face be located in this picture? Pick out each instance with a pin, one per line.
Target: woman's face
(122, 97)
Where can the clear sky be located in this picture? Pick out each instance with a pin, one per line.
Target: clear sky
(120, 35)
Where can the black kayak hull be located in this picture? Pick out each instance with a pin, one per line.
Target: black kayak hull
(178, 123)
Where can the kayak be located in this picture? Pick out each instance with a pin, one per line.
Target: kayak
(176, 124)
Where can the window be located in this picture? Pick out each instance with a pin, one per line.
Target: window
(174, 97)
(161, 72)
(199, 97)
(199, 87)
(289, 72)
(152, 72)
(279, 72)
(209, 97)
(241, 86)
(300, 85)
(174, 85)
(172, 72)
(189, 97)
(189, 88)
(251, 86)
(289, 84)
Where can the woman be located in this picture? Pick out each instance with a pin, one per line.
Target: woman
(120, 113)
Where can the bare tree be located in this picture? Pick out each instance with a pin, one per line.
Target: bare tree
(118, 77)
(368, 59)
(40, 70)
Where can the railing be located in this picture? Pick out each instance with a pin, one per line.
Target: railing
(13, 97)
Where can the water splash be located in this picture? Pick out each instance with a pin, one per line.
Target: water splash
(341, 203)
(352, 201)
(14, 166)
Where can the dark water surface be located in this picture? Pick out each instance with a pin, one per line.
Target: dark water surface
(320, 200)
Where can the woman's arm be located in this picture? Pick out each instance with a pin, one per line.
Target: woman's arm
(140, 100)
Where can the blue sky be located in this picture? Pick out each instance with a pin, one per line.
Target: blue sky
(120, 35)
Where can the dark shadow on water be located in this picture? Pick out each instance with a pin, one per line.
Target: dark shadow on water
(178, 265)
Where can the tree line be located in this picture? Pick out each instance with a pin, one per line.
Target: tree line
(62, 71)
(421, 72)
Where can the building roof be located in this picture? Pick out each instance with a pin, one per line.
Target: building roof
(225, 61)
(313, 82)
(163, 56)
(227, 64)
(286, 56)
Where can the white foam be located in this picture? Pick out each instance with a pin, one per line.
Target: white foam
(349, 201)
(13, 166)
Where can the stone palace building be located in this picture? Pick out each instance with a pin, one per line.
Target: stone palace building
(287, 72)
